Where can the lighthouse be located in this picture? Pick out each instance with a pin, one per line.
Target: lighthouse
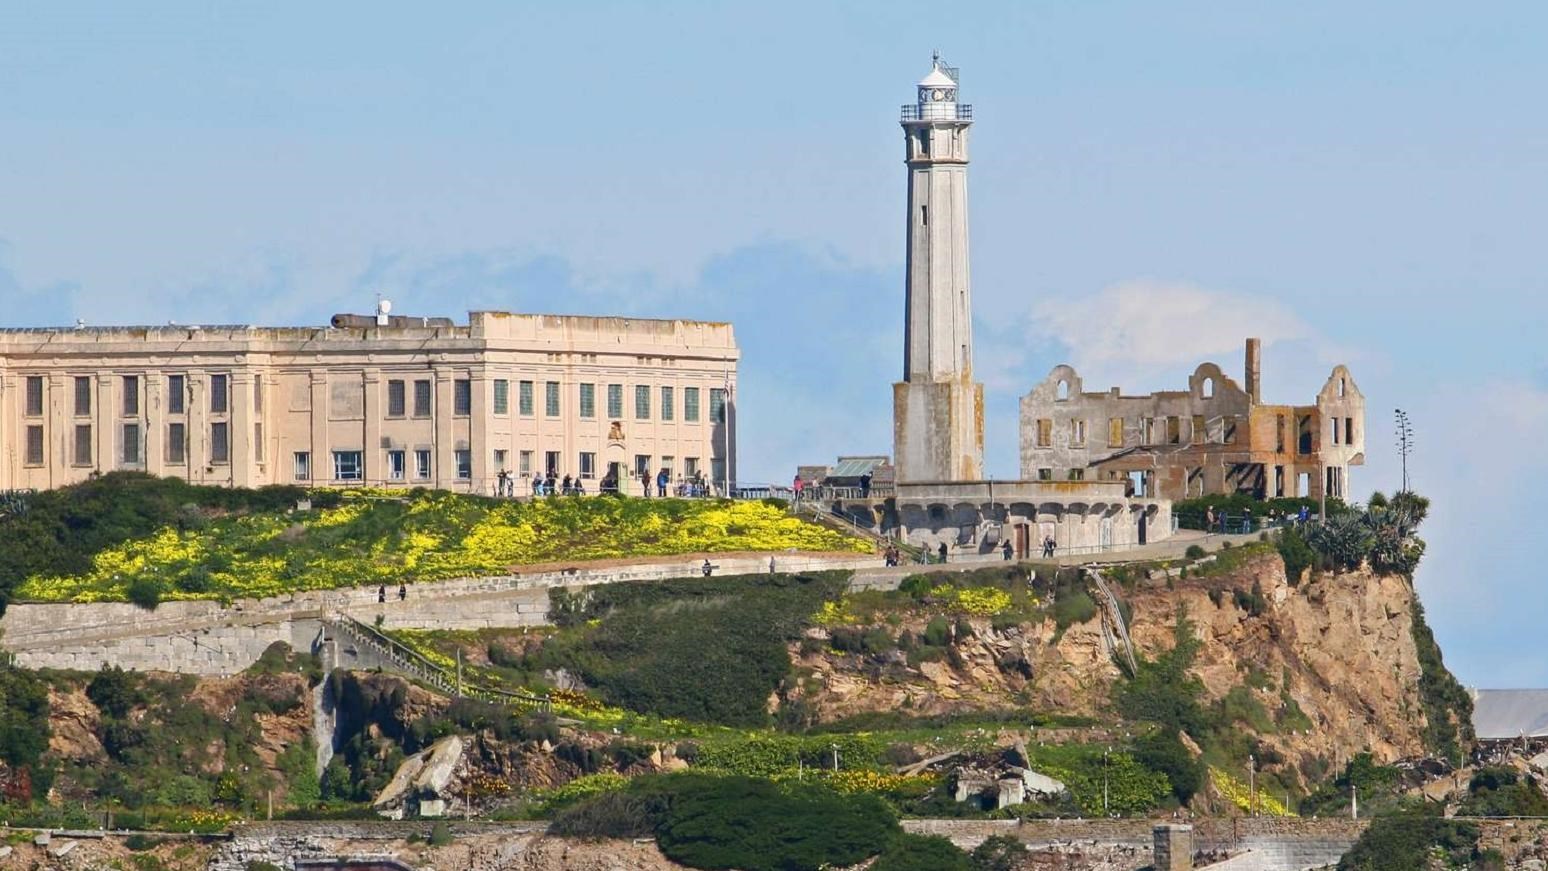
(938, 409)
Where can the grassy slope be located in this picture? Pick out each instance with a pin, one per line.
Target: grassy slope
(123, 533)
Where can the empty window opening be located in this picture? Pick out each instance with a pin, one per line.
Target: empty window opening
(924, 215)
(1063, 391)
(1207, 389)
(1115, 432)
(1342, 386)
(1228, 430)
(1044, 433)
(1279, 439)
(1174, 430)
(1348, 430)
(1305, 430)
(1078, 432)
(1200, 429)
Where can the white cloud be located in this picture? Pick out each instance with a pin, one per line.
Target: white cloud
(1142, 327)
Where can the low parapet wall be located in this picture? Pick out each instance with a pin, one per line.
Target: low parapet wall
(211, 638)
(1276, 843)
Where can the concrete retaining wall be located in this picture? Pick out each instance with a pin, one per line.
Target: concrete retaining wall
(210, 638)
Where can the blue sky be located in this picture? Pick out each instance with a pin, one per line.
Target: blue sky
(1360, 183)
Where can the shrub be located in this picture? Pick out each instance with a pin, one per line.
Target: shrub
(756, 825)
(440, 834)
(1296, 554)
(1405, 841)
(1194, 552)
(145, 592)
(938, 632)
(922, 853)
(1164, 752)
(999, 853)
(624, 814)
(1162, 691)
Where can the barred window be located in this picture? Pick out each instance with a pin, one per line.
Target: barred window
(524, 398)
(397, 398)
(641, 402)
(667, 405)
(691, 404)
(502, 396)
(462, 397)
(588, 400)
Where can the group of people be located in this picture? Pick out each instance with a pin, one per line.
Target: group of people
(1224, 523)
(553, 484)
(798, 486)
(381, 593)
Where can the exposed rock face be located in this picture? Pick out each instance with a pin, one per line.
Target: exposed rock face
(1340, 645)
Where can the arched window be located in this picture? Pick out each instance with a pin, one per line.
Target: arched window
(1064, 390)
(1207, 389)
(1342, 386)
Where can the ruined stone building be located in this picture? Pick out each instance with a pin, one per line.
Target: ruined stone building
(1215, 437)
(379, 400)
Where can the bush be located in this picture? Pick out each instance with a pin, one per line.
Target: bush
(1164, 752)
(1296, 554)
(937, 632)
(1405, 841)
(440, 834)
(145, 592)
(999, 853)
(922, 853)
(624, 814)
(1194, 552)
(756, 825)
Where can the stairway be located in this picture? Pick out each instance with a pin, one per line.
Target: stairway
(398, 657)
(1113, 626)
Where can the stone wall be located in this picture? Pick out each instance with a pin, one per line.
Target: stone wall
(211, 638)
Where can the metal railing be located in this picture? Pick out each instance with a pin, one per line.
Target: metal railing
(413, 663)
(936, 112)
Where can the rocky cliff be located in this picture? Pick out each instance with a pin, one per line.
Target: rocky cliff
(1316, 671)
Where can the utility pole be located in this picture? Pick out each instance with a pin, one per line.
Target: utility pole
(459, 672)
(1252, 777)
(1105, 811)
(1354, 802)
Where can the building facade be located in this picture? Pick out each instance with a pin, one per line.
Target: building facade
(938, 409)
(1215, 437)
(372, 400)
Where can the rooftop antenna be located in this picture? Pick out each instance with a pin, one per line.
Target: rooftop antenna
(383, 307)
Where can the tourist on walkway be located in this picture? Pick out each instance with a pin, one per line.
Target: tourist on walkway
(548, 488)
(1049, 545)
(865, 486)
(1209, 519)
(942, 551)
(708, 569)
(798, 485)
(381, 594)
(402, 592)
(662, 479)
(645, 483)
(1006, 549)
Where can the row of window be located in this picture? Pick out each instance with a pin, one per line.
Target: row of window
(131, 444)
(177, 395)
(350, 465)
(1168, 430)
(462, 400)
(398, 398)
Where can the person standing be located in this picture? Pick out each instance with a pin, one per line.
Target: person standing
(798, 486)
(865, 486)
(662, 479)
(942, 551)
(381, 594)
(1006, 549)
(1049, 546)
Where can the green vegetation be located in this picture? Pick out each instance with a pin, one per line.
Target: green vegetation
(1191, 513)
(757, 825)
(1377, 786)
(922, 853)
(129, 537)
(24, 731)
(710, 651)
(1498, 791)
(1448, 709)
(1406, 840)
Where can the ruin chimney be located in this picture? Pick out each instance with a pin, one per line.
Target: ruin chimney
(1255, 370)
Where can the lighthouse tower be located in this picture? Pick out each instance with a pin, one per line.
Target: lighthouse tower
(938, 409)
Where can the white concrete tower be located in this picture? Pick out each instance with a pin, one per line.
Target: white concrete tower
(938, 410)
